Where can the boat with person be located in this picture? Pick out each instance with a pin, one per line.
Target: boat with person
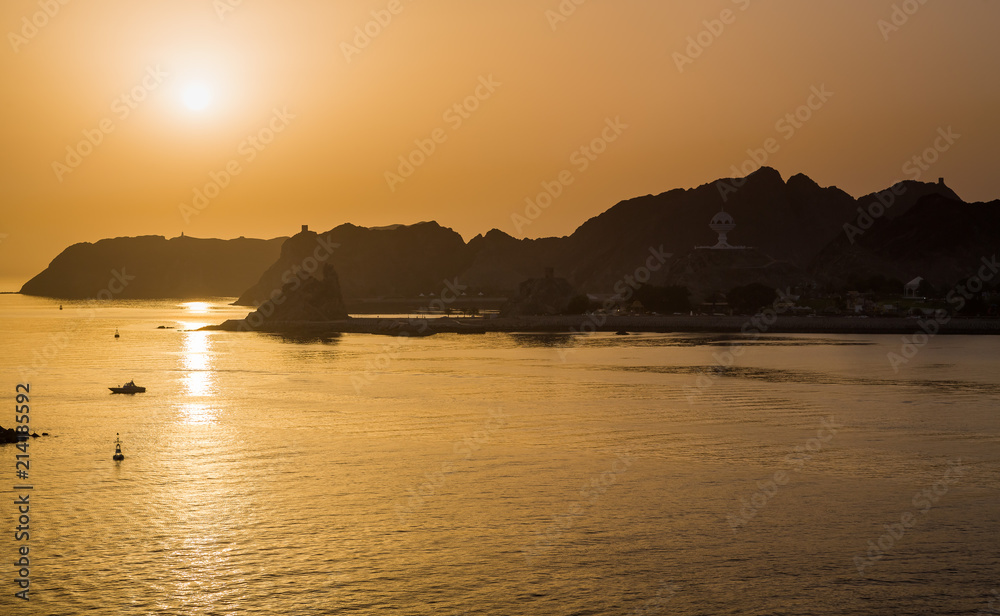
(128, 388)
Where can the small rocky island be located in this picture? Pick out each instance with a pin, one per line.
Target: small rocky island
(304, 302)
(540, 296)
(9, 435)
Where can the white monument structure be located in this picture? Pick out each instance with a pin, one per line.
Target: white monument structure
(722, 223)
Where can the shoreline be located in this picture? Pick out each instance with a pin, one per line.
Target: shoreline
(747, 325)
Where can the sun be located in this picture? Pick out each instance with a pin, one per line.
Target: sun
(196, 96)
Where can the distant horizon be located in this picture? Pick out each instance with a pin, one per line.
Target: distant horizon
(25, 276)
(501, 307)
(226, 122)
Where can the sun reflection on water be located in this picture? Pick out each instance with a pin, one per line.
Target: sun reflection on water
(199, 377)
(196, 307)
(197, 414)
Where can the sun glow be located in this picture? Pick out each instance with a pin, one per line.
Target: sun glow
(198, 379)
(196, 307)
(196, 96)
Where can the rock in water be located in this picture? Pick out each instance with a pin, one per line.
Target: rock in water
(539, 297)
(315, 299)
(7, 435)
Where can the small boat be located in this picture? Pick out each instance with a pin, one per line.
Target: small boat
(118, 449)
(128, 388)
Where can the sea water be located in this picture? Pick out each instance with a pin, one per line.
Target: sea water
(494, 474)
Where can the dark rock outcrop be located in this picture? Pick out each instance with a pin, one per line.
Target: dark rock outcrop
(315, 299)
(940, 239)
(540, 297)
(708, 272)
(898, 199)
(397, 261)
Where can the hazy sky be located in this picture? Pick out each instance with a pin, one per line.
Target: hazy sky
(116, 111)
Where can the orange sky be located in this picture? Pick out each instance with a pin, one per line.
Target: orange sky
(331, 112)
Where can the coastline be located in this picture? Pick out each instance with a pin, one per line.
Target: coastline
(748, 325)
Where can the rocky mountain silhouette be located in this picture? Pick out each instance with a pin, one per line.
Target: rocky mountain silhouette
(314, 298)
(785, 225)
(548, 295)
(794, 231)
(939, 238)
(397, 261)
(149, 267)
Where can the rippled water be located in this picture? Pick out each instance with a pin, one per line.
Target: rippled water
(495, 474)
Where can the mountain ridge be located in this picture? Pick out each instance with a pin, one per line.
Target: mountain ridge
(799, 230)
(154, 267)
